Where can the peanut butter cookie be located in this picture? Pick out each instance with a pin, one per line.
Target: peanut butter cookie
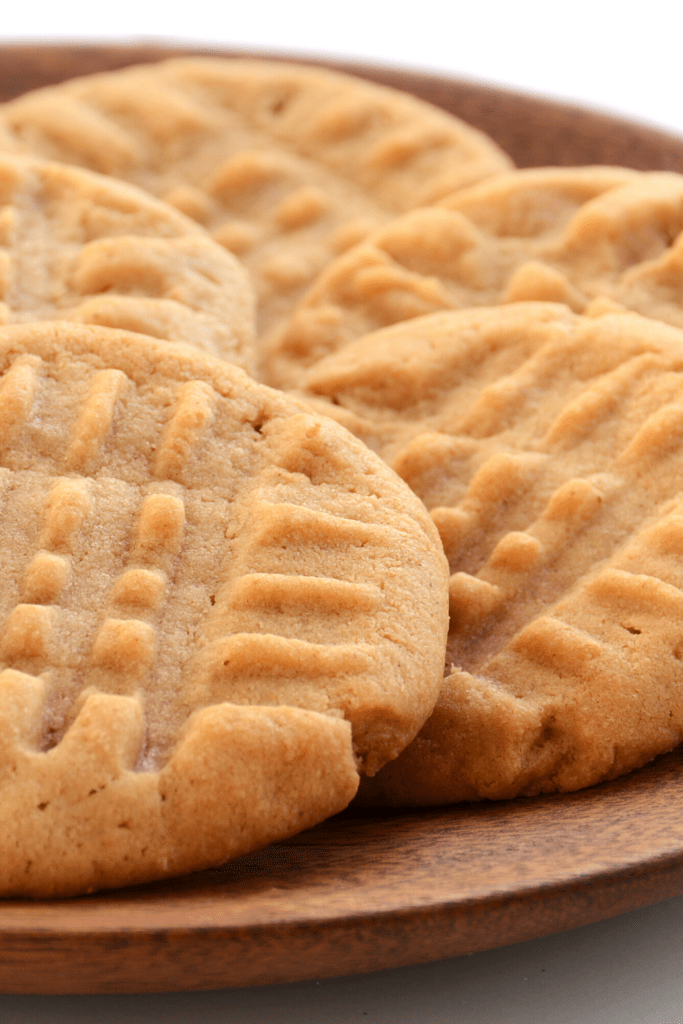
(79, 246)
(217, 607)
(548, 448)
(286, 165)
(580, 236)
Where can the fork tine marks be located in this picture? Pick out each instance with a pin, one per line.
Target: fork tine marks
(190, 420)
(95, 420)
(302, 593)
(17, 393)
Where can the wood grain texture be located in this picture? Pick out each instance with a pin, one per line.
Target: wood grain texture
(364, 891)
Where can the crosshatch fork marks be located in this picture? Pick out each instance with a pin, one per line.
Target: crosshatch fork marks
(170, 529)
(566, 598)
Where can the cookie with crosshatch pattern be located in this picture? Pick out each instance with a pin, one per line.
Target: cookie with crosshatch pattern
(590, 237)
(548, 447)
(217, 607)
(284, 164)
(75, 245)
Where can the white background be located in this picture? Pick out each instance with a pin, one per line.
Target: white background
(623, 58)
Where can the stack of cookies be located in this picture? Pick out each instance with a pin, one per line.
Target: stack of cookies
(338, 457)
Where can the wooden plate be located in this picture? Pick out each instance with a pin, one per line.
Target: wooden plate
(365, 891)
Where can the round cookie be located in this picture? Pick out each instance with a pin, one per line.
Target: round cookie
(579, 236)
(547, 447)
(285, 164)
(217, 607)
(75, 245)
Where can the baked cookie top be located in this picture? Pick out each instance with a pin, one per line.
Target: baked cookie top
(285, 164)
(196, 571)
(547, 447)
(579, 236)
(75, 245)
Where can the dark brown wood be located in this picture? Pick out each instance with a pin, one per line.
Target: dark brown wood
(367, 891)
